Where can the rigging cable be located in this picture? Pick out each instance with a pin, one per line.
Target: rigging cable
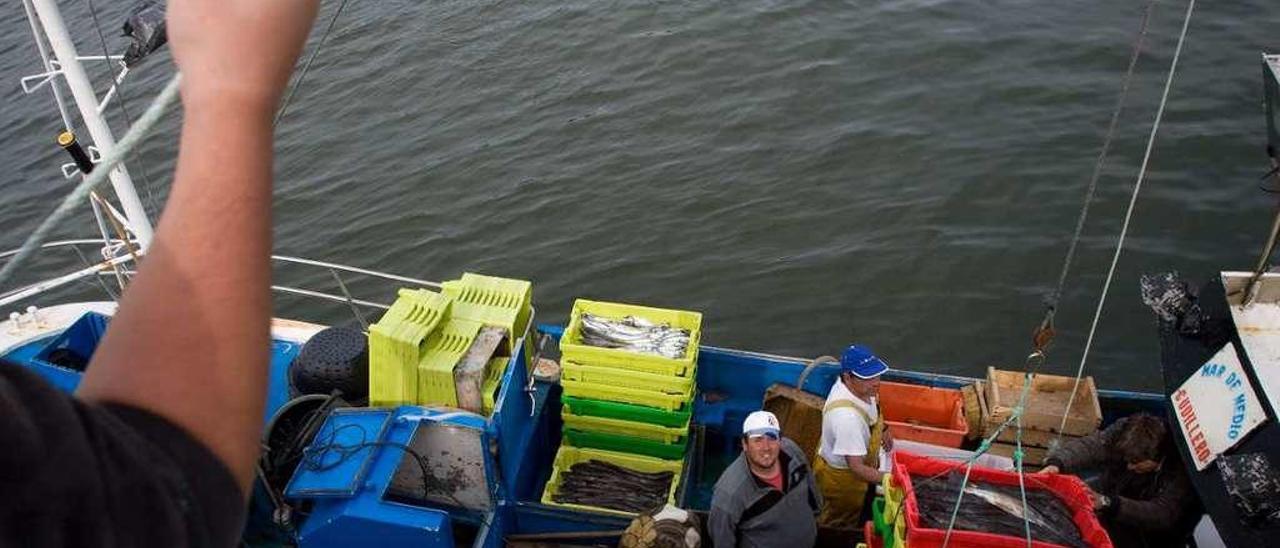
(284, 106)
(1043, 335)
(1124, 228)
(1053, 298)
(61, 103)
(146, 123)
(124, 109)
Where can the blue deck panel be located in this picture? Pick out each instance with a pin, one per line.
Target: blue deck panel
(369, 519)
(282, 354)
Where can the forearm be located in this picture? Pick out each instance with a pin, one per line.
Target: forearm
(202, 291)
(864, 472)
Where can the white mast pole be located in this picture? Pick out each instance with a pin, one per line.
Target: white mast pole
(87, 102)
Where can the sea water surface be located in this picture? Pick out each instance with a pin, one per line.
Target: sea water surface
(905, 174)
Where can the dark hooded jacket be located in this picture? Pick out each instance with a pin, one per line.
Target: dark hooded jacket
(1155, 509)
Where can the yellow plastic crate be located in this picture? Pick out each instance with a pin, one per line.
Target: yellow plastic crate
(572, 347)
(893, 499)
(499, 302)
(445, 347)
(622, 394)
(567, 456)
(667, 384)
(492, 380)
(396, 344)
(664, 434)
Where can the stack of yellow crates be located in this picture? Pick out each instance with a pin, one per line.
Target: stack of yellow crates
(416, 345)
(625, 401)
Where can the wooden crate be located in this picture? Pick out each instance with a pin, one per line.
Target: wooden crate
(1032, 457)
(973, 412)
(1045, 403)
(1030, 436)
(799, 415)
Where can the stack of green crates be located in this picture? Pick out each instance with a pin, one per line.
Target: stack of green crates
(623, 401)
(415, 346)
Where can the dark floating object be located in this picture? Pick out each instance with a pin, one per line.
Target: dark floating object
(145, 26)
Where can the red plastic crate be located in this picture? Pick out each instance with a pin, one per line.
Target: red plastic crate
(924, 414)
(870, 537)
(1070, 489)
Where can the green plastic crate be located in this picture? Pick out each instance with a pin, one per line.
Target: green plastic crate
(653, 432)
(667, 384)
(622, 394)
(624, 444)
(492, 381)
(445, 347)
(568, 456)
(396, 344)
(572, 348)
(498, 302)
(625, 411)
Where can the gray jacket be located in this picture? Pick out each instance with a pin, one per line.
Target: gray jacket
(747, 513)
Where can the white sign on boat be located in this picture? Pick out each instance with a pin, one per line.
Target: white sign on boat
(1217, 407)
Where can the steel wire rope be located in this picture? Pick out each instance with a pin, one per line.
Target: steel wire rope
(284, 105)
(1124, 228)
(139, 131)
(124, 109)
(1015, 419)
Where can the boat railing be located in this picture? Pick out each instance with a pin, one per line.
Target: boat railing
(117, 267)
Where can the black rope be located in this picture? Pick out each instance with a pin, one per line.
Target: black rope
(284, 105)
(1052, 300)
(314, 458)
(121, 100)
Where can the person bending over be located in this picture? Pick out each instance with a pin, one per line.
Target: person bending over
(1143, 496)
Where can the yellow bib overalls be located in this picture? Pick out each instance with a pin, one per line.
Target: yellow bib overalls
(842, 491)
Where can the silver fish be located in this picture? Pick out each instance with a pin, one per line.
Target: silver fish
(1009, 504)
(635, 334)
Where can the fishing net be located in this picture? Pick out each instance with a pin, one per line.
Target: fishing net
(668, 527)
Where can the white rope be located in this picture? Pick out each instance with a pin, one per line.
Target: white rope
(1124, 228)
(109, 161)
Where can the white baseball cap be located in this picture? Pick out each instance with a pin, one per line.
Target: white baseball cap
(760, 423)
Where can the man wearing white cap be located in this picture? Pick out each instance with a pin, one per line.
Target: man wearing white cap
(851, 455)
(767, 497)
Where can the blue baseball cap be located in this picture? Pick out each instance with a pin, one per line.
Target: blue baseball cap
(859, 360)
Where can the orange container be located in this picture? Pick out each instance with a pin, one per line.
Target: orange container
(924, 414)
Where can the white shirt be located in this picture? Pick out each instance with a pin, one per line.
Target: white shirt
(844, 433)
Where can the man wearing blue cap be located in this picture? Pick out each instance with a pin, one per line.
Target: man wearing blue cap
(854, 440)
(767, 497)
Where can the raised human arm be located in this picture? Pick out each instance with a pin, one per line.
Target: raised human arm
(190, 341)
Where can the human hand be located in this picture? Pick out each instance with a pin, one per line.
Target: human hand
(241, 51)
(1100, 502)
(1051, 469)
(887, 440)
